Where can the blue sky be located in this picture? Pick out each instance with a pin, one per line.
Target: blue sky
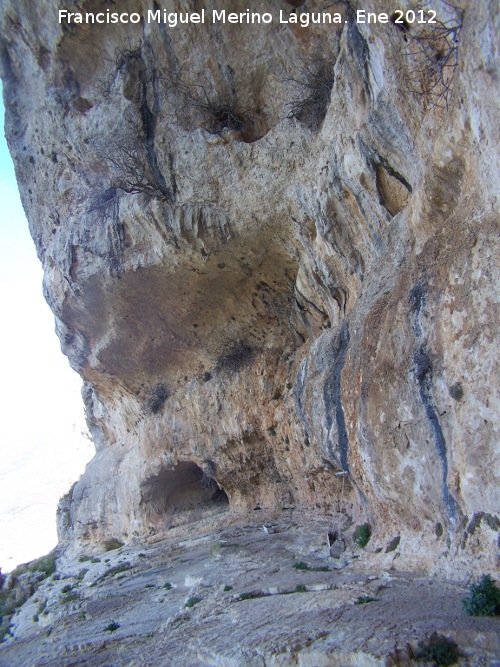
(41, 444)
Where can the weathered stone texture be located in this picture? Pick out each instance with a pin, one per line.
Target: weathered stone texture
(270, 302)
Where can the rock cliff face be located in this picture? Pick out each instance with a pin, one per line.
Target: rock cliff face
(272, 261)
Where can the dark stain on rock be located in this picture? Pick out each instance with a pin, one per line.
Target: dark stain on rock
(423, 374)
(332, 396)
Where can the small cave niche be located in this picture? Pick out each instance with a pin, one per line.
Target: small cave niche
(393, 192)
(167, 497)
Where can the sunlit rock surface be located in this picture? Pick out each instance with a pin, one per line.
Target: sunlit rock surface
(260, 294)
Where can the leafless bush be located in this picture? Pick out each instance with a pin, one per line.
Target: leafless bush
(432, 52)
(131, 171)
(123, 59)
(132, 168)
(235, 356)
(130, 152)
(313, 84)
(207, 479)
(217, 110)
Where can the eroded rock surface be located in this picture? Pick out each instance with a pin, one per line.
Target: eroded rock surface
(222, 592)
(255, 301)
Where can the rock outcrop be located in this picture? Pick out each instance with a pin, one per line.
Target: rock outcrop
(272, 261)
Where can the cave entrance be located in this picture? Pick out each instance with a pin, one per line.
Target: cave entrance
(180, 494)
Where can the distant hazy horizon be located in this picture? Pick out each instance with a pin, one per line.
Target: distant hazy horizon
(43, 442)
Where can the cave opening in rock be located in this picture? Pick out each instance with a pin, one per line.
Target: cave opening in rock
(176, 491)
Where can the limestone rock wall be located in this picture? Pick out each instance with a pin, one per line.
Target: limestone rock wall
(271, 262)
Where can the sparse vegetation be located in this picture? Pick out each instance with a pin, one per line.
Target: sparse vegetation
(131, 155)
(251, 595)
(483, 598)
(21, 585)
(431, 51)
(493, 522)
(227, 588)
(362, 535)
(167, 586)
(300, 565)
(192, 601)
(313, 83)
(214, 109)
(112, 627)
(438, 650)
(70, 597)
(300, 588)
(364, 599)
(208, 481)
(4, 627)
(46, 565)
(115, 569)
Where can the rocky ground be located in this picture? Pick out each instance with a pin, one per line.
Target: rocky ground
(223, 591)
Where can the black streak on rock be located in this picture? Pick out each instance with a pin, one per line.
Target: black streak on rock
(423, 374)
(332, 396)
(298, 395)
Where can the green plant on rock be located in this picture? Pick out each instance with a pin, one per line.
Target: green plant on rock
(483, 598)
(304, 567)
(300, 565)
(365, 599)
(46, 565)
(192, 601)
(362, 535)
(23, 582)
(4, 627)
(112, 627)
(251, 595)
(438, 650)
